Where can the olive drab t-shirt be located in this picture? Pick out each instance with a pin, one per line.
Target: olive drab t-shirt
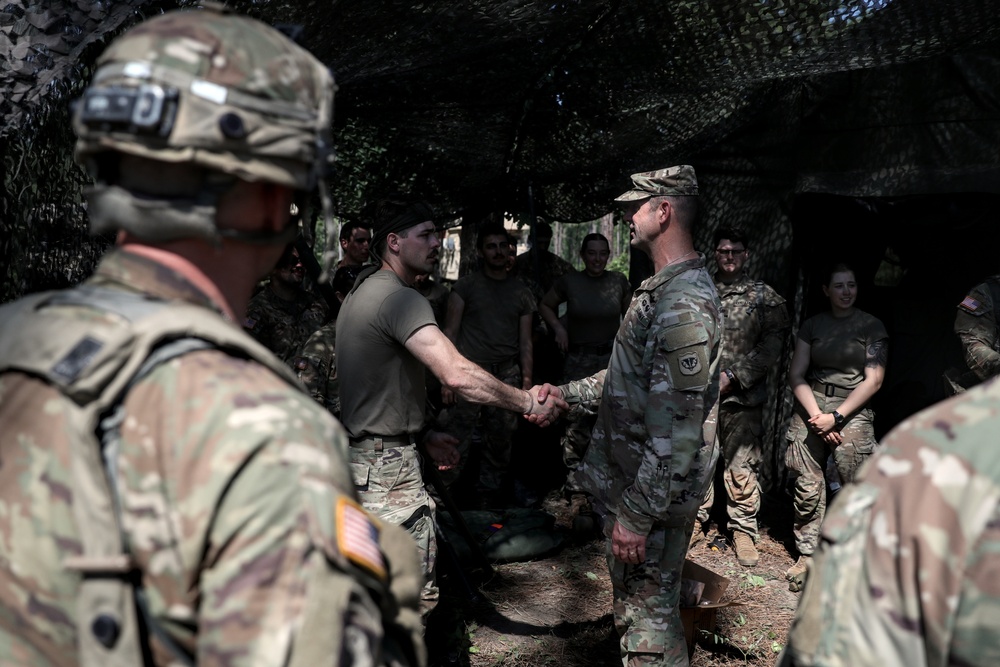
(838, 346)
(490, 331)
(594, 305)
(382, 389)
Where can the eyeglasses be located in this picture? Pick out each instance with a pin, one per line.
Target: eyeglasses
(732, 252)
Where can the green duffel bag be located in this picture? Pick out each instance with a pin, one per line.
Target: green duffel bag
(504, 535)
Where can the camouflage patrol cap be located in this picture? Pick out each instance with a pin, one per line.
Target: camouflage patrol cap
(672, 181)
(222, 91)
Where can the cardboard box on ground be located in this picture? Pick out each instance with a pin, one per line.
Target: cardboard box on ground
(701, 595)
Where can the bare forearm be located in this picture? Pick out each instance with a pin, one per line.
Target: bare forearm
(527, 362)
(804, 395)
(476, 385)
(859, 396)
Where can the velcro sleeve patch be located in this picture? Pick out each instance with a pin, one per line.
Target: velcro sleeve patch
(970, 305)
(357, 538)
(686, 351)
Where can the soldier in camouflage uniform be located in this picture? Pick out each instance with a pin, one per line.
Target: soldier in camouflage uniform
(976, 327)
(284, 314)
(316, 362)
(168, 494)
(653, 449)
(906, 568)
(386, 335)
(756, 324)
(538, 267)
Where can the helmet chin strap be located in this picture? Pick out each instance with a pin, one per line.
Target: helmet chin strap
(160, 220)
(282, 237)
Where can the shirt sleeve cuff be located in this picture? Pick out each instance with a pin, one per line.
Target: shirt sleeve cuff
(632, 519)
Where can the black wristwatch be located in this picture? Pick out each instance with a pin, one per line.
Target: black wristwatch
(730, 375)
(838, 419)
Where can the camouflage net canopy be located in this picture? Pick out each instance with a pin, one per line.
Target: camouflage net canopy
(486, 106)
(472, 103)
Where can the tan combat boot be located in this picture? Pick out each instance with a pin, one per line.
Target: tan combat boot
(796, 574)
(698, 536)
(746, 552)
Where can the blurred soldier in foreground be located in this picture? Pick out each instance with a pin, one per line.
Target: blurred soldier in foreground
(386, 335)
(906, 568)
(755, 326)
(168, 494)
(653, 450)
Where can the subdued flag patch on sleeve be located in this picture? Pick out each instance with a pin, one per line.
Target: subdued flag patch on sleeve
(969, 304)
(357, 538)
(249, 323)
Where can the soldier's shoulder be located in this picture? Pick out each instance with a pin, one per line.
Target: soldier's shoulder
(321, 341)
(229, 387)
(769, 295)
(979, 300)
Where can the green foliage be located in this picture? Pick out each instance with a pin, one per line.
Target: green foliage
(748, 581)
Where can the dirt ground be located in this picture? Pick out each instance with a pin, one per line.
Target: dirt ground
(557, 610)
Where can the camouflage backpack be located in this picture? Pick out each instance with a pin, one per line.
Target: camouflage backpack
(94, 365)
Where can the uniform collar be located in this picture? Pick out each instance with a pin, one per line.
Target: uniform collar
(135, 273)
(738, 286)
(668, 272)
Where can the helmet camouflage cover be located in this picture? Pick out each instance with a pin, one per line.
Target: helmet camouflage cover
(214, 89)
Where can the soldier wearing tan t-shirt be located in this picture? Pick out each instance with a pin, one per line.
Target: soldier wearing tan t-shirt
(489, 320)
(386, 335)
(838, 365)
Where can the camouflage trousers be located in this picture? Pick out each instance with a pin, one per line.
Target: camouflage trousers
(647, 598)
(579, 420)
(806, 458)
(391, 487)
(739, 437)
(496, 429)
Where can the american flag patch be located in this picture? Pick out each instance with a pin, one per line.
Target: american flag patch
(357, 538)
(969, 304)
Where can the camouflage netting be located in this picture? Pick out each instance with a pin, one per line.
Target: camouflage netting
(468, 103)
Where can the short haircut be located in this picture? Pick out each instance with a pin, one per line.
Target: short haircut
(491, 229)
(347, 229)
(685, 208)
(593, 237)
(734, 234)
(543, 229)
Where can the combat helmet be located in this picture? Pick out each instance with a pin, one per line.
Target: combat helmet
(224, 93)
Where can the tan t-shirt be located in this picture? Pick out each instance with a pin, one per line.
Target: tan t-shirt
(594, 306)
(382, 390)
(491, 317)
(837, 346)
